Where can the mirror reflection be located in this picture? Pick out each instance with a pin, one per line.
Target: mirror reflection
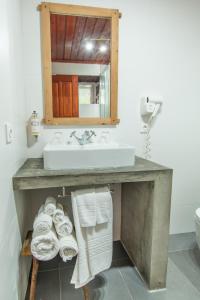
(80, 55)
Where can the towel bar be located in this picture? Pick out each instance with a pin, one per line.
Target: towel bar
(64, 194)
(26, 251)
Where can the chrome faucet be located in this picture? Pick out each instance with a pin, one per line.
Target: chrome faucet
(85, 137)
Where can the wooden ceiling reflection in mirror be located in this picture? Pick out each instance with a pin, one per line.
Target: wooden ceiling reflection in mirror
(67, 33)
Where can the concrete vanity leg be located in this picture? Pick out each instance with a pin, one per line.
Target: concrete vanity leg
(145, 226)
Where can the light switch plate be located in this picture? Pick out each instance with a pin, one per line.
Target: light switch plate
(9, 133)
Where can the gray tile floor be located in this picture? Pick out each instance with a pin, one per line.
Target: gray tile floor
(122, 281)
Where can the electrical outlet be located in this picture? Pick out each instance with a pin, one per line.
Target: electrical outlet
(9, 133)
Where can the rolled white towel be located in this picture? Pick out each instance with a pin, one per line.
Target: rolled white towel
(59, 214)
(45, 247)
(64, 227)
(41, 209)
(68, 247)
(42, 223)
(50, 206)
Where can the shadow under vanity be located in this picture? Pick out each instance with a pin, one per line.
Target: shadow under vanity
(145, 206)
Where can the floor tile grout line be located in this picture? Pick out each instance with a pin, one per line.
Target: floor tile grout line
(180, 250)
(129, 292)
(71, 267)
(183, 274)
(194, 271)
(56, 268)
(48, 270)
(123, 258)
(60, 288)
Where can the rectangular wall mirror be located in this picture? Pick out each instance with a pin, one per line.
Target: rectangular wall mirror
(80, 64)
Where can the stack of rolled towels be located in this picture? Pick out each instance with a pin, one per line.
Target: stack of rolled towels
(53, 233)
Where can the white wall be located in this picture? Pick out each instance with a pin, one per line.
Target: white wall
(76, 69)
(158, 54)
(12, 109)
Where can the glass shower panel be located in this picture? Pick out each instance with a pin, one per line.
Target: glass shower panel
(104, 91)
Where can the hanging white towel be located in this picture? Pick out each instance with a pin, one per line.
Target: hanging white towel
(58, 214)
(100, 244)
(42, 223)
(50, 206)
(86, 205)
(103, 200)
(64, 227)
(81, 275)
(94, 243)
(68, 247)
(45, 247)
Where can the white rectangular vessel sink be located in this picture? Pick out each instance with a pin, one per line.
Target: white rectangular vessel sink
(65, 157)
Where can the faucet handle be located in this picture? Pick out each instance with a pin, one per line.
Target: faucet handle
(72, 133)
(93, 132)
(86, 132)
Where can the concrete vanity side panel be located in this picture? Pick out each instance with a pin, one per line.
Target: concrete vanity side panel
(136, 229)
(160, 230)
(116, 196)
(145, 226)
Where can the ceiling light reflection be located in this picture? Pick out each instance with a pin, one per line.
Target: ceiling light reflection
(89, 46)
(103, 48)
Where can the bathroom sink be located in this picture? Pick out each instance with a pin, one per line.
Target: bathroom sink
(65, 157)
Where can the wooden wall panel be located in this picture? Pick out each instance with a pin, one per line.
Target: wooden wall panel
(65, 96)
(75, 96)
(70, 33)
(53, 36)
(61, 103)
(56, 111)
(68, 100)
(60, 36)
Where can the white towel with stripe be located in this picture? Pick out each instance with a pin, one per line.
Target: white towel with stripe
(103, 199)
(86, 205)
(94, 242)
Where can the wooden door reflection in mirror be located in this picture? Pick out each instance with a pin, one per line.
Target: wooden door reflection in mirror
(83, 64)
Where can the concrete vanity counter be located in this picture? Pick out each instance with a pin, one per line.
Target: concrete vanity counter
(145, 204)
(32, 175)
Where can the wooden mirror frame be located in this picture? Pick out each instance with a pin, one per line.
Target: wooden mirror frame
(46, 9)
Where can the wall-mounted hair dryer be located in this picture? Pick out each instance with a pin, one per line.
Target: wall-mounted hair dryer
(149, 108)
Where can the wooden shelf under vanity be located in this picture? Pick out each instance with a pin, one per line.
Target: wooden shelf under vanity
(145, 205)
